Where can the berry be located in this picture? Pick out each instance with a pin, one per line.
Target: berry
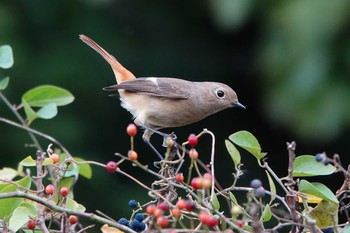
(207, 181)
(179, 177)
(207, 176)
(319, 157)
(192, 140)
(64, 191)
(134, 225)
(158, 213)
(132, 155)
(111, 166)
(181, 204)
(193, 153)
(123, 221)
(142, 226)
(31, 224)
(240, 223)
(260, 192)
(55, 158)
(213, 221)
(131, 130)
(176, 212)
(139, 217)
(163, 206)
(162, 222)
(256, 183)
(204, 217)
(190, 205)
(73, 219)
(150, 209)
(49, 189)
(197, 183)
(236, 210)
(132, 204)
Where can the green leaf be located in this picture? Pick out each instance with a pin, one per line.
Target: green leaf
(20, 216)
(232, 150)
(73, 205)
(325, 214)
(233, 198)
(30, 113)
(6, 57)
(47, 94)
(272, 186)
(7, 173)
(247, 141)
(3, 83)
(47, 161)
(25, 182)
(215, 201)
(48, 111)
(28, 162)
(317, 189)
(266, 214)
(8, 205)
(84, 168)
(306, 165)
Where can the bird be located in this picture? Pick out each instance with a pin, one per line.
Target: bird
(163, 102)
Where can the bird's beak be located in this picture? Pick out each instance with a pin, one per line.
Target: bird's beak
(238, 105)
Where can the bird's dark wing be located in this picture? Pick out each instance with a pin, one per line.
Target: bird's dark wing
(162, 87)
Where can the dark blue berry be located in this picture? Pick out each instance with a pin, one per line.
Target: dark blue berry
(123, 221)
(134, 225)
(260, 192)
(142, 226)
(256, 183)
(139, 217)
(133, 204)
(328, 230)
(319, 157)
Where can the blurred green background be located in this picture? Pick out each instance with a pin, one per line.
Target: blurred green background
(289, 62)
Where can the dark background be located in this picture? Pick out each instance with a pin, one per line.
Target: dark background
(288, 62)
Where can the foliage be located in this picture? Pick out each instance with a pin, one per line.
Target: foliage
(198, 204)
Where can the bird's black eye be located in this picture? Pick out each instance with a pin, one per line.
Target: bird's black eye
(220, 93)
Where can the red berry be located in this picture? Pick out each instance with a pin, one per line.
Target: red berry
(189, 205)
(55, 158)
(64, 191)
(158, 213)
(193, 153)
(131, 130)
(150, 209)
(204, 217)
(49, 189)
(73, 219)
(179, 177)
(31, 224)
(240, 223)
(207, 176)
(111, 166)
(132, 155)
(181, 204)
(162, 222)
(176, 212)
(192, 140)
(197, 183)
(213, 222)
(163, 206)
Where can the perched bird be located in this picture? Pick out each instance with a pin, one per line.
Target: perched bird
(157, 103)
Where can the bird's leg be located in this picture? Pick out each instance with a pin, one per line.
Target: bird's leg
(146, 138)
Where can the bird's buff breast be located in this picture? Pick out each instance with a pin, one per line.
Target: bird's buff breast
(157, 112)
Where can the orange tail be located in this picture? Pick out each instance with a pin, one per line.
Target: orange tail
(120, 72)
